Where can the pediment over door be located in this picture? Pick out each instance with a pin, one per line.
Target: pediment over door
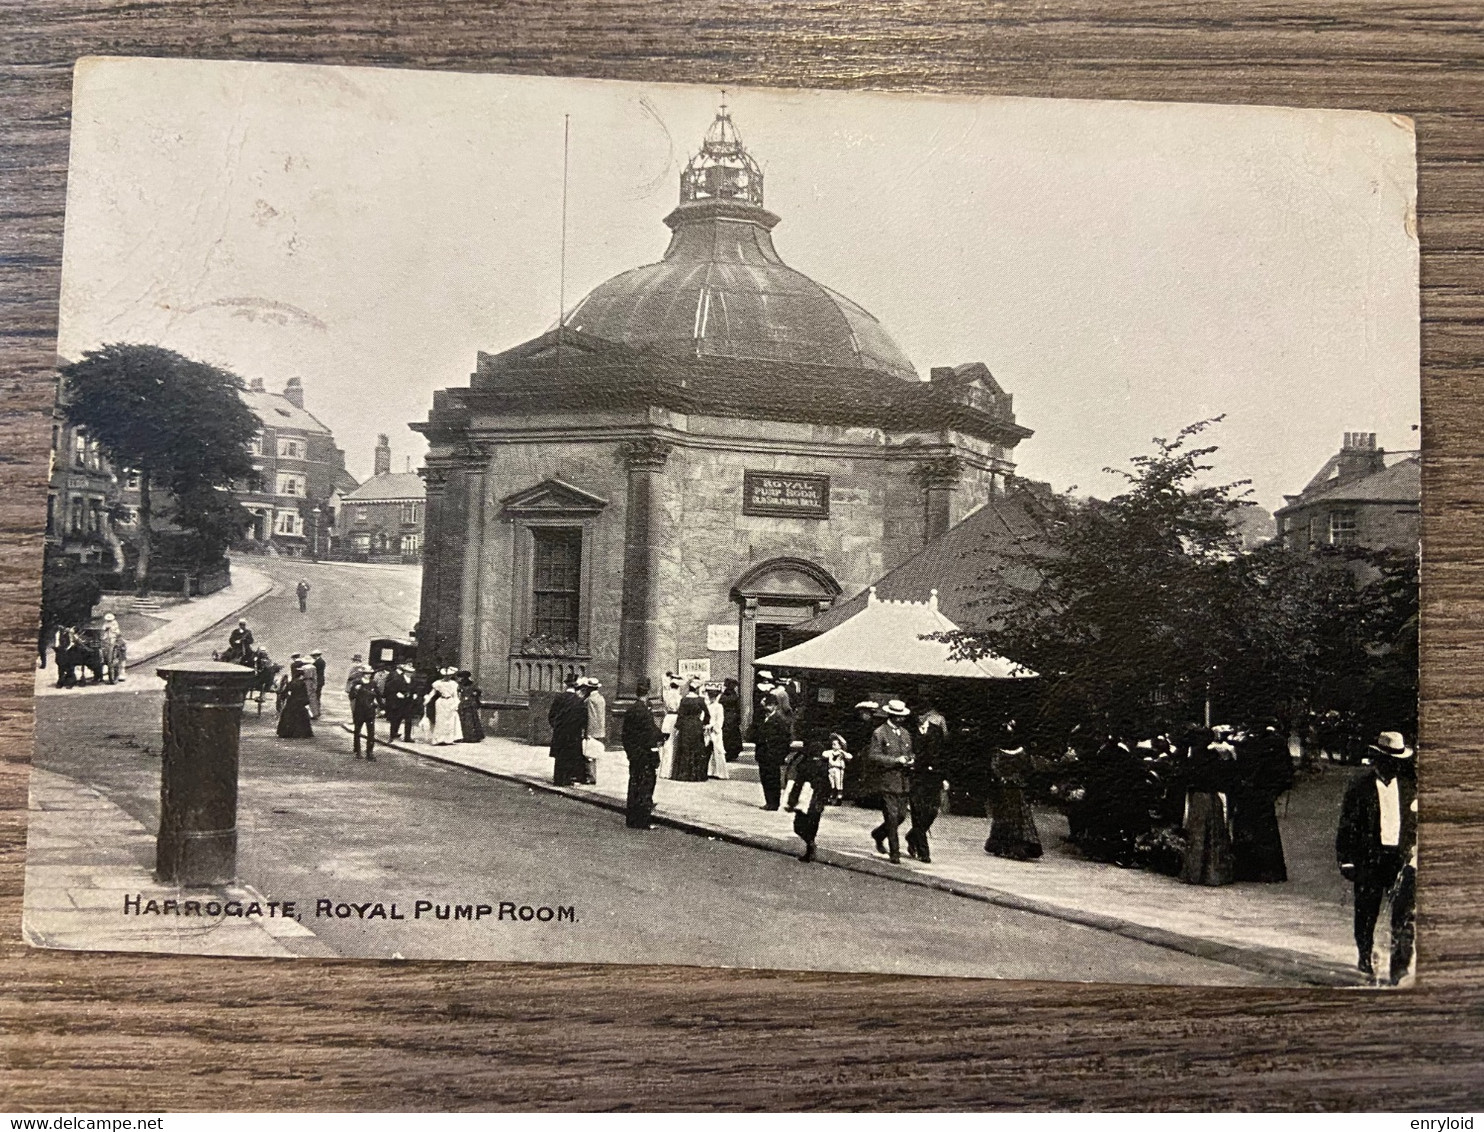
(552, 497)
(788, 579)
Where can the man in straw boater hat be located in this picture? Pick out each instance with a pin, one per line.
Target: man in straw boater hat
(596, 736)
(890, 756)
(1377, 848)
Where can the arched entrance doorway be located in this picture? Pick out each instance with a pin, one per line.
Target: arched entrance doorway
(772, 596)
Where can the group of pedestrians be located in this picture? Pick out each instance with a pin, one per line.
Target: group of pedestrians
(579, 727)
(438, 711)
(1200, 804)
(300, 695)
(902, 758)
(702, 728)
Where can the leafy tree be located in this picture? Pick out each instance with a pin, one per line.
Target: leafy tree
(67, 596)
(180, 423)
(1124, 618)
(1146, 608)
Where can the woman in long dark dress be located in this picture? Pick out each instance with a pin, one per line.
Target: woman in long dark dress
(1012, 826)
(731, 720)
(692, 759)
(1264, 772)
(1208, 846)
(293, 720)
(469, 695)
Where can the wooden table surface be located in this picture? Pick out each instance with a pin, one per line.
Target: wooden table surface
(140, 1033)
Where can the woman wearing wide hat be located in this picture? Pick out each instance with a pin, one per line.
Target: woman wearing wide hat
(444, 699)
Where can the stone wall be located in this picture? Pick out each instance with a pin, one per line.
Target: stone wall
(1395, 525)
(706, 543)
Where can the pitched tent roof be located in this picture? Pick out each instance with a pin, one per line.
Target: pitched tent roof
(988, 548)
(389, 487)
(887, 637)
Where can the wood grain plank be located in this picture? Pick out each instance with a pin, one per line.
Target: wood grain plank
(109, 1031)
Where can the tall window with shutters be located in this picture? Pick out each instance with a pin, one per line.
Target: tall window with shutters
(556, 582)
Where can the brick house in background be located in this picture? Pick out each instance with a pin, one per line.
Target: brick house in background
(83, 498)
(382, 519)
(1363, 496)
(299, 471)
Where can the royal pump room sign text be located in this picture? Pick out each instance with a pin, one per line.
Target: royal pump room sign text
(788, 494)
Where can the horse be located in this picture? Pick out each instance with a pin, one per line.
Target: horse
(74, 651)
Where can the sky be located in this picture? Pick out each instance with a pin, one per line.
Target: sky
(1122, 268)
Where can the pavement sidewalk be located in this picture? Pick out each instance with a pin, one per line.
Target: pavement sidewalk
(85, 856)
(183, 623)
(1272, 929)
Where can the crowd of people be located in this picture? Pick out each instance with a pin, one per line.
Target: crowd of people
(438, 710)
(1199, 803)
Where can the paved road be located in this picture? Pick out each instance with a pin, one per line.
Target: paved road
(316, 824)
(348, 605)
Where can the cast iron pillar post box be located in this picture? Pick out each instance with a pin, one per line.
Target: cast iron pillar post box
(197, 843)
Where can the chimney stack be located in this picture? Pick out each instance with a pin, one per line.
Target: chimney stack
(255, 385)
(383, 461)
(294, 391)
(1359, 456)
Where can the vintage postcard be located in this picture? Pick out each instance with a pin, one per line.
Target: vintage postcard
(552, 520)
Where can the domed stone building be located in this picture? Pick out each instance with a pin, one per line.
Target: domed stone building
(706, 450)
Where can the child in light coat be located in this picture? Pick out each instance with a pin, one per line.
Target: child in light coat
(837, 756)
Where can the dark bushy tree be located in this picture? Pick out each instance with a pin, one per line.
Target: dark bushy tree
(67, 595)
(1146, 607)
(180, 423)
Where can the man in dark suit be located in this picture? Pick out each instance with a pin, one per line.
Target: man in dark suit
(928, 756)
(398, 695)
(363, 704)
(1377, 848)
(642, 739)
(774, 734)
(568, 719)
(890, 757)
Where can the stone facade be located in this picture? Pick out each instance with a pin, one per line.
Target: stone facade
(667, 548)
(644, 488)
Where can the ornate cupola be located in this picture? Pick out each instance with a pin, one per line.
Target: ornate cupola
(723, 169)
(722, 290)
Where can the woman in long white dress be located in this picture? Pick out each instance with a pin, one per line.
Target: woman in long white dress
(671, 694)
(444, 699)
(714, 738)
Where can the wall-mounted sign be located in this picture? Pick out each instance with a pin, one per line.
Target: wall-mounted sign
(793, 495)
(722, 638)
(698, 668)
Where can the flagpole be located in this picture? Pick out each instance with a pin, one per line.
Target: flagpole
(562, 285)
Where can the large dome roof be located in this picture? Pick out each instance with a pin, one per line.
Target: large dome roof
(722, 290)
